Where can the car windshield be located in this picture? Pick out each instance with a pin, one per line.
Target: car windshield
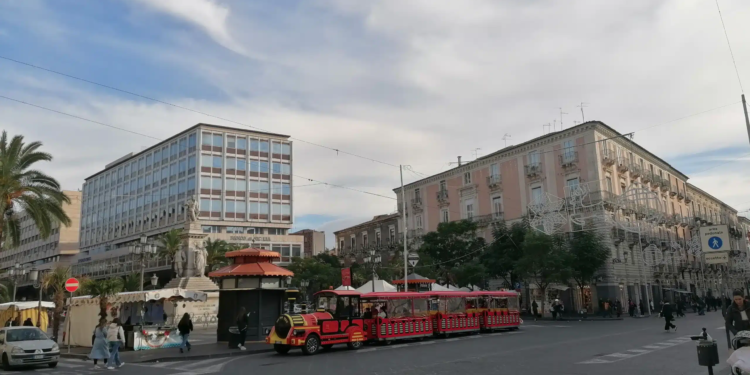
(25, 334)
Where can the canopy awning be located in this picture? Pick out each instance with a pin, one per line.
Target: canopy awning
(345, 288)
(26, 305)
(380, 286)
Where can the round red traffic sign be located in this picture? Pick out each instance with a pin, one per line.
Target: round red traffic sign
(71, 285)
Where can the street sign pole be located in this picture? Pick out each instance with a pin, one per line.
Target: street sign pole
(67, 316)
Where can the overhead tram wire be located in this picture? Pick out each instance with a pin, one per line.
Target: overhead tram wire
(190, 109)
(159, 139)
(742, 90)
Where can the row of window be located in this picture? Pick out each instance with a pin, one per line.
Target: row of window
(211, 206)
(237, 164)
(364, 239)
(240, 143)
(215, 183)
(30, 253)
(243, 230)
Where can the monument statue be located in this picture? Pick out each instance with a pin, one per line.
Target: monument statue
(192, 210)
(179, 262)
(200, 256)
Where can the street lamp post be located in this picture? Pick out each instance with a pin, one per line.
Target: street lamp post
(154, 280)
(16, 274)
(143, 249)
(373, 260)
(35, 277)
(304, 284)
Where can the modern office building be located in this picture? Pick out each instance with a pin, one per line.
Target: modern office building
(60, 248)
(241, 179)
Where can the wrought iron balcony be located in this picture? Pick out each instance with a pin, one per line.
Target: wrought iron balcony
(656, 180)
(485, 220)
(680, 195)
(569, 159)
(665, 186)
(623, 165)
(688, 198)
(494, 181)
(533, 170)
(416, 203)
(635, 170)
(646, 177)
(609, 157)
(673, 191)
(442, 196)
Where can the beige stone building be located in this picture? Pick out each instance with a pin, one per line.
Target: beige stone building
(60, 248)
(588, 174)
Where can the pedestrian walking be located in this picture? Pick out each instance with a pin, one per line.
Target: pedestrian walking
(738, 314)
(185, 327)
(115, 339)
(535, 309)
(666, 313)
(608, 308)
(99, 348)
(642, 307)
(680, 309)
(651, 304)
(242, 327)
(618, 308)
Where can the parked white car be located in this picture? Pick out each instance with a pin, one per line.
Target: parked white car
(27, 346)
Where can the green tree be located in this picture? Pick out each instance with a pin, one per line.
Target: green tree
(329, 258)
(169, 243)
(216, 250)
(54, 283)
(506, 250)
(103, 289)
(471, 273)
(131, 283)
(23, 189)
(453, 244)
(543, 261)
(587, 254)
(320, 275)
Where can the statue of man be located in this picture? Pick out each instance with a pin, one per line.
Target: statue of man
(191, 206)
(179, 263)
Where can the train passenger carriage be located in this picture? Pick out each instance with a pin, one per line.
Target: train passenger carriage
(498, 310)
(336, 320)
(455, 312)
(393, 316)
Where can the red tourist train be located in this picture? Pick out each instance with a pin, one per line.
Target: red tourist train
(351, 318)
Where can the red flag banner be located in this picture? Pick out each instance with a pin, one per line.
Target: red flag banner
(346, 277)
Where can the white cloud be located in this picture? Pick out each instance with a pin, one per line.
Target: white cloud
(206, 14)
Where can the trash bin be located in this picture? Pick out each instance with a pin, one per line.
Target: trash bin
(708, 353)
(234, 337)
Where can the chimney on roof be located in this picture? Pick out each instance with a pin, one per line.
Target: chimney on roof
(459, 161)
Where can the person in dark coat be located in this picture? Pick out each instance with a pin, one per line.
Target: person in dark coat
(618, 308)
(534, 309)
(642, 307)
(666, 313)
(738, 314)
(242, 327)
(28, 323)
(185, 327)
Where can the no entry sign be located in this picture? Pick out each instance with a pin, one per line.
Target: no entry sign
(71, 285)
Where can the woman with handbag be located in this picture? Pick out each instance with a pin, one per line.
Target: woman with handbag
(99, 347)
(115, 339)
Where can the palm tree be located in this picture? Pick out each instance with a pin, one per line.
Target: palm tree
(104, 289)
(132, 283)
(54, 282)
(29, 190)
(169, 243)
(216, 250)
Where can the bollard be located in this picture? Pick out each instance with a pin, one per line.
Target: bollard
(708, 351)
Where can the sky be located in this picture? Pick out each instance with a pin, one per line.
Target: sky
(415, 82)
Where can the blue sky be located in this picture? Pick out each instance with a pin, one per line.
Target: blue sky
(415, 82)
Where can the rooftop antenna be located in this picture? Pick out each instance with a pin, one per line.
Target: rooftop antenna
(505, 139)
(476, 153)
(554, 125)
(543, 128)
(582, 106)
(561, 114)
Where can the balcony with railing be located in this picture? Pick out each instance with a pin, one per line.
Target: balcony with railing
(569, 159)
(635, 170)
(646, 177)
(442, 196)
(623, 165)
(416, 203)
(665, 187)
(494, 181)
(656, 180)
(485, 220)
(533, 170)
(609, 157)
(688, 198)
(680, 194)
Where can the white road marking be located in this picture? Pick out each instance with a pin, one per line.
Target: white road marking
(562, 326)
(495, 334)
(452, 339)
(366, 350)
(722, 327)
(637, 352)
(529, 325)
(621, 355)
(426, 342)
(653, 347)
(473, 337)
(595, 361)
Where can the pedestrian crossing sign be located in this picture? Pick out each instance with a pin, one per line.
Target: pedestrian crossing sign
(715, 238)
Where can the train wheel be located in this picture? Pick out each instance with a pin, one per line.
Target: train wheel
(312, 345)
(355, 345)
(327, 347)
(281, 349)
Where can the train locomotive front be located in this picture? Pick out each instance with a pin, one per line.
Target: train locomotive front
(336, 321)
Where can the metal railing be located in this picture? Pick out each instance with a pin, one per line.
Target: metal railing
(442, 196)
(568, 158)
(534, 169)
(494, 180)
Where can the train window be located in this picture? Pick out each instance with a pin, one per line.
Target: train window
(502, 302)
(399, 308)
(348, 307)
(327, 303)
(483, 303)
(421, 307)
(513, 303)
(455, 305)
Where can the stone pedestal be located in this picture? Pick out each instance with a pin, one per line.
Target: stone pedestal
(192, 278)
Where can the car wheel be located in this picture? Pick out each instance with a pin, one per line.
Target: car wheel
(355, 345)
(53, 364)
(281, 349)
(312, 345)
(6, 364)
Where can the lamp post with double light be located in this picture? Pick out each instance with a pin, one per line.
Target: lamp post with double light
(373, 260)
(36, 277)
(143, 250)
(17, 273)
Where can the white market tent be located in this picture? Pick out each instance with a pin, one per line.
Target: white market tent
(27, 309)
(454, 288)
(380, 286)
(26, 305)
(435, 287)
(84, 310)
(345, 288)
